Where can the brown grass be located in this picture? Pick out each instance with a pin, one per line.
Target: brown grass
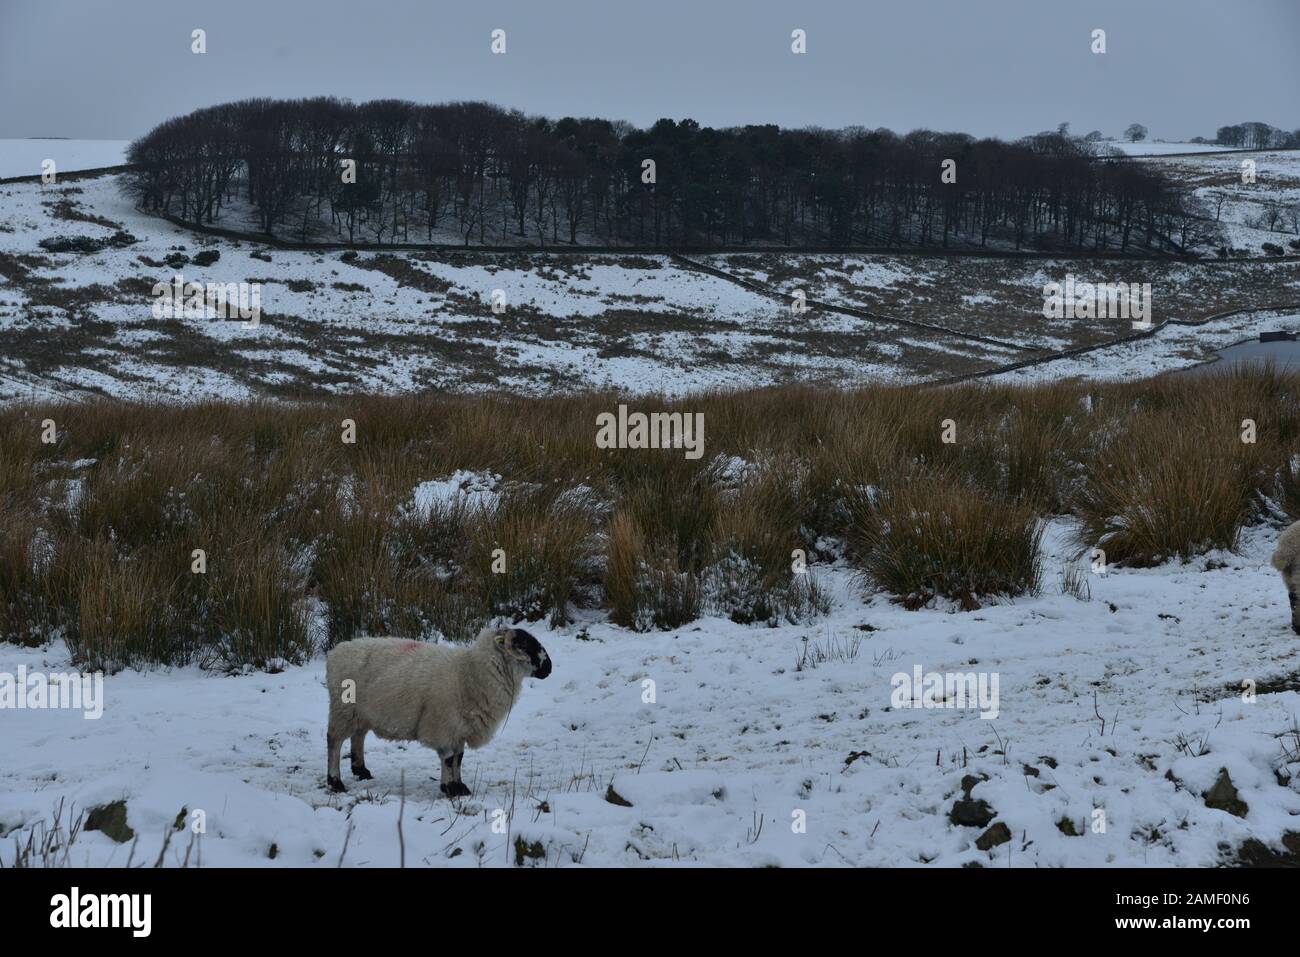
(930, 537)
(1168, 488)
(298, 525)
(645, 583)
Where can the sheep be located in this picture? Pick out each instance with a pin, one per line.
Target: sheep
(445, 698)
(1286, 559)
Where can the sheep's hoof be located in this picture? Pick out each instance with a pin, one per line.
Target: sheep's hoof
(455, 789)
(360, 772)
(335, 785)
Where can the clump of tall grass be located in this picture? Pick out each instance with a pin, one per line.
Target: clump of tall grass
(384, 569)
(1040, 445)
(430, 608)
(28, 597)
(379, 566)
(1266, 402)
(645, 584)
(658, 542)
(124, 611)
(757, 571)
(436, 595)
(855, 453)
(359, 578)
(926, 537)
(136, 498)
(260, 616)
(528, 552)
(21, 457)
(1166, 488)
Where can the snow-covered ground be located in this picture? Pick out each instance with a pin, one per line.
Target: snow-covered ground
(384, 323)
(334, 322)
(1157, 148)
(1003, 299)
(24, 157)
(739, 756)
(1254, 196)
(1172, 348)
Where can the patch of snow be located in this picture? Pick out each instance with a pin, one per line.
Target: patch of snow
(1154, 148)
(463, 490)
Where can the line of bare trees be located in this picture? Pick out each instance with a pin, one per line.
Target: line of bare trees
(1256, 136)
(396, 171)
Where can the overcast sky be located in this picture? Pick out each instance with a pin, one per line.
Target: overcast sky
(113, 68)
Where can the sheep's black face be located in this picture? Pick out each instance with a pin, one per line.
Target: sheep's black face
(530, 646)
(1295, 611)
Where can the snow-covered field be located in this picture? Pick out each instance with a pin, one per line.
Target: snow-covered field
(24, 157)
(1003, 299)
(739, 756)
(1254, 196)
(392, 323)
(1172, 348)
(1158, 148)
(334, 322)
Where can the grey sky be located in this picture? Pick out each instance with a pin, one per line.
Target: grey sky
(114, 68)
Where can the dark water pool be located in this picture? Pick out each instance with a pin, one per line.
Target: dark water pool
(1284, 355)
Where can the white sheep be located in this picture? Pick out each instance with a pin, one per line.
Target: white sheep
(445, 698)
(1286, 559)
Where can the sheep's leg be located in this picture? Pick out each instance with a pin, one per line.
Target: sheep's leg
(359, 770)
(456, 760)
(450, 784)
(333, 747)
(448, 772)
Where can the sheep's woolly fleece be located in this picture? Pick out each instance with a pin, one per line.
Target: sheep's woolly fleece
(738, 741)
(1288, 550)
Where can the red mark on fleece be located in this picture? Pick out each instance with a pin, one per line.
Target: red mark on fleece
(408, 646)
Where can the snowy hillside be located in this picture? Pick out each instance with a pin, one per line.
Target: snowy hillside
(337, 322)
(1254, 196)
(80, 321)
